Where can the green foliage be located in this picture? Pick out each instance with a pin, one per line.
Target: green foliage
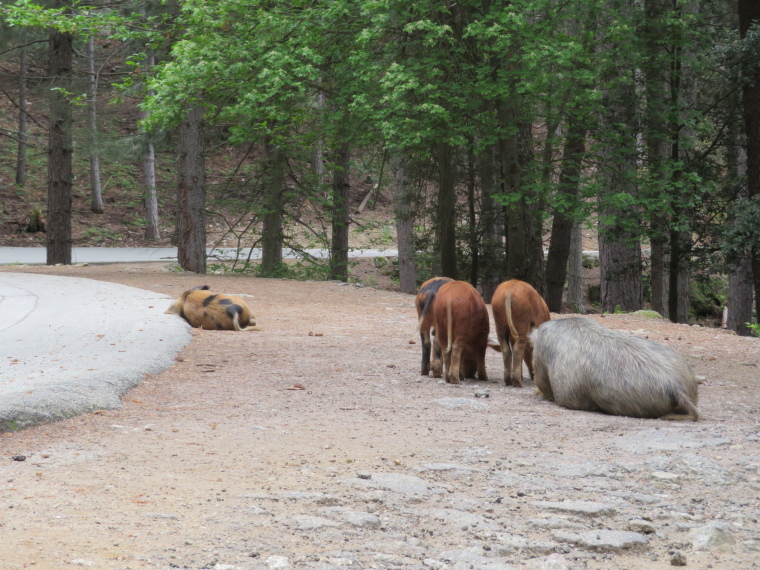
(755, 328)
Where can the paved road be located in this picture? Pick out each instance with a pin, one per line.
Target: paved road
(37, 255)
(68, 345)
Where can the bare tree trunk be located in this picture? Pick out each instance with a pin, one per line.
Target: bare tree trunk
(679, 298)
(152, 230)
(493, 254)
(340, 218)
(620, 265)
(656, 136)
(191, 217)
(96, 205)
(21, 156)
(532, 216)
(509, 150)
(575, 271)
(472, 207)
(316, 158)
(749, 13)
(271, 255)
(446, 214)
(404, 212)
(60, 150)
(659, 259)
(740, 296)
(738, 310)
(562, 225)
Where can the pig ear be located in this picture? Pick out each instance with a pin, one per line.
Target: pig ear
(201, 288)
(172, 310)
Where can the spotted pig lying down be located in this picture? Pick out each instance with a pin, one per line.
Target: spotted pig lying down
(581, 365)
(214, 311)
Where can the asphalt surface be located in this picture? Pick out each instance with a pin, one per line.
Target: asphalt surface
(38, 255)
(70, 346)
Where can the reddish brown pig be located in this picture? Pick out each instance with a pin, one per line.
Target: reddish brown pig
(460, 319)
(206, 310)
(424, 303)
(517, 310)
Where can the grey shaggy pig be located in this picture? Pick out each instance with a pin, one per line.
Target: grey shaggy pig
(581, 365)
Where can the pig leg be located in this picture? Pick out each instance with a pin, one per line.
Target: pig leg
(425, 337)
(506, 354)
(518, 350)
(453, 365)
(437, 362)
(482, 374)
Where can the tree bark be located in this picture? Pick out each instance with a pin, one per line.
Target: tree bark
(509, 150)
(472, 208)
(96, 206)
(739, 306)
(620, 266)
(404, 212)
(271, 255)
(191, 217)
(60, 149)
(493, 264)
(562, 225)
(659, 259)
(532, 215)
(738, 310)
(749, 14)
(575, 271)
(152, 229)
(656, 138)
(21, 155)
(446, 212)
(340, 219)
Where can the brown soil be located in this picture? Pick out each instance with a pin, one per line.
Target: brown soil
(315, 444)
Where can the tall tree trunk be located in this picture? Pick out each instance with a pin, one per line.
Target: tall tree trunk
(152, 230)
(533, 215)
(492, 251)
(316, 151)
(656, 138)
(191, 217)
(739, 306)
(562, 225)
(22, 80)
(60, 149)
(749, 13)
(509, 150)
(96, 206)
(446, 214)
(620, 266)
(340, 219)
(472, 207)
(659, 259)
(403, 207)
(679, 292)
(575, 271)
(271, 255)
(740, 290)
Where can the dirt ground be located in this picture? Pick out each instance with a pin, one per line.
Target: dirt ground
(314, 443)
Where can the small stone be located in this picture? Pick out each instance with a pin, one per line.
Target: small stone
(712, 536)
(364, 475)
(642, 526)
(19, 458)
(678, 559)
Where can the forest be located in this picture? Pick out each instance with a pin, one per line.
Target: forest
(499, 130)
